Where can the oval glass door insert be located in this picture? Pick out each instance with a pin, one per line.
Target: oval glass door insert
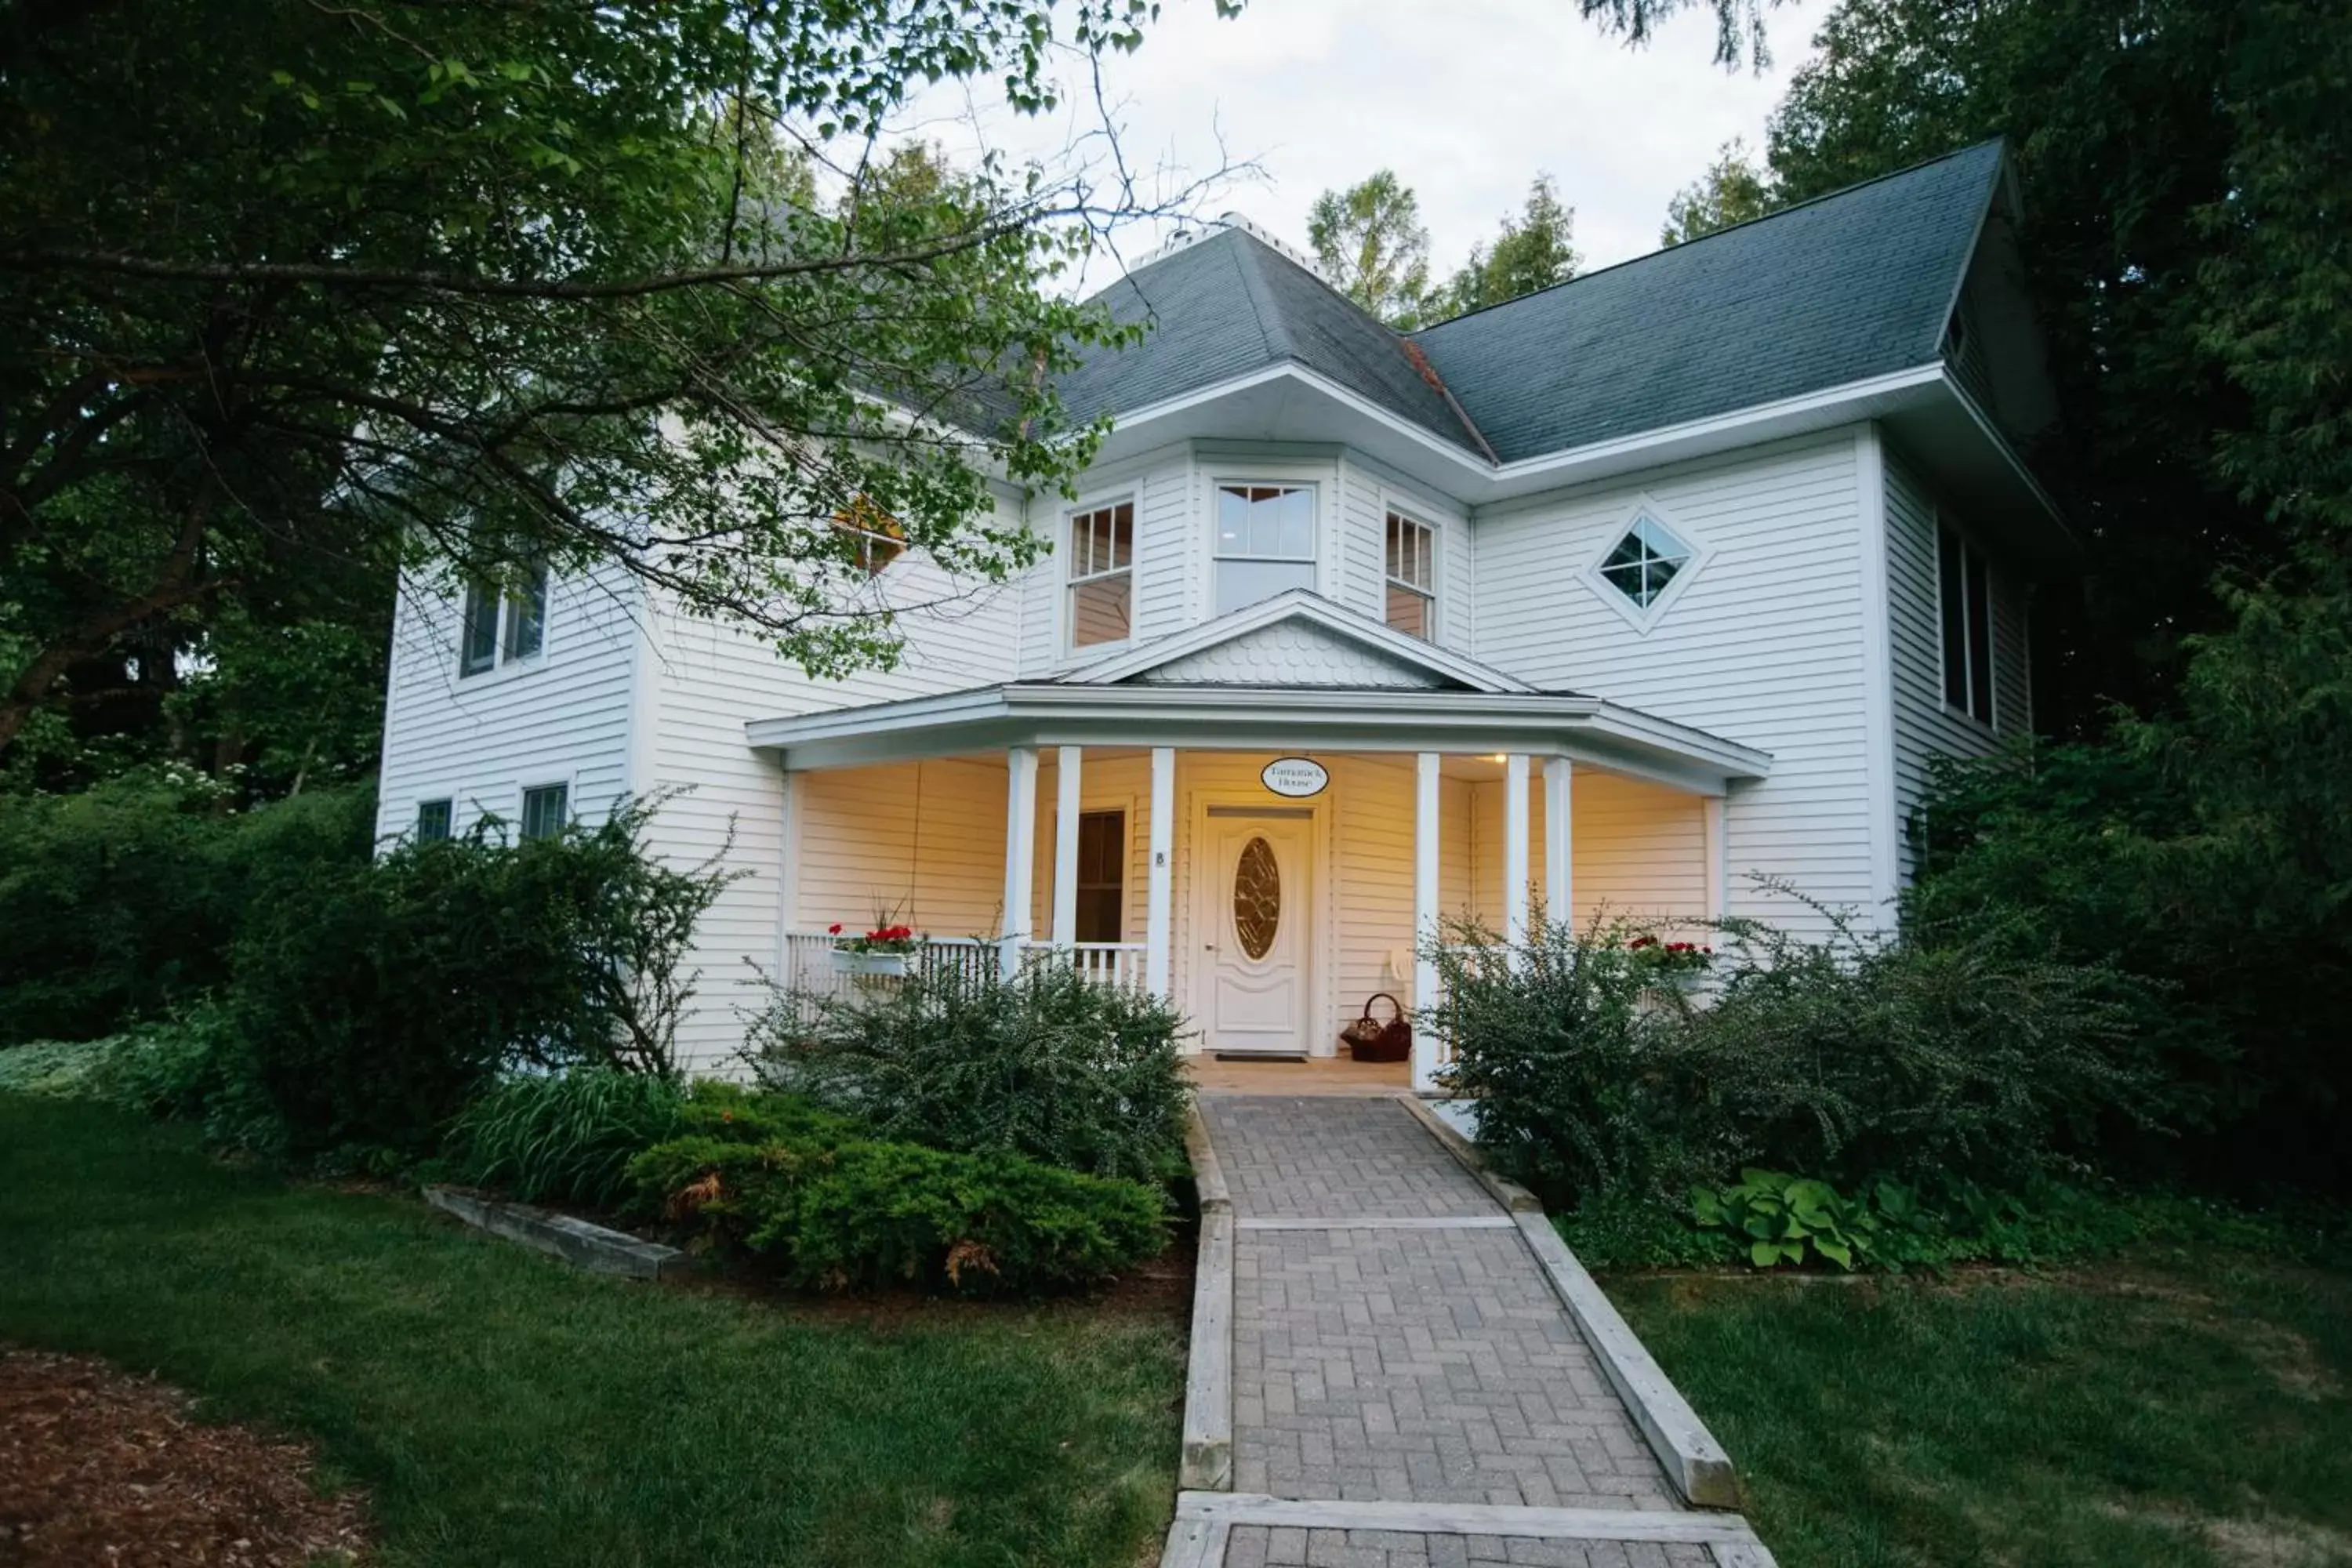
(1257, 897)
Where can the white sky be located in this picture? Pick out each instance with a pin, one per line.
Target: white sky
(1466, 99)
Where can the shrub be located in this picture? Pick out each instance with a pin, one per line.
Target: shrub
(194, 1068)
(1939, 1055)
(861, 1213)
(1855, 1057)
(377, 1003)
(122, 902)
(1582, 1068)
(564, 1138)
(1046, 1064)
(58, 1069)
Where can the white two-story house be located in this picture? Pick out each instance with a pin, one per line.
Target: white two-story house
(1604, 598)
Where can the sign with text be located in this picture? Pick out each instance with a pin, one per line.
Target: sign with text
(1295, 778)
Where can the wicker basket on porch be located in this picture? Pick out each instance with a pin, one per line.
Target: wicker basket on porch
(1370, 1040)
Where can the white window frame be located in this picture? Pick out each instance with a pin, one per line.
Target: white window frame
(1433, 595)
(1219, 484)
(1065, 596)
(569, 785)
(416, 818)
(1990, 720)
(1644, 618)
(508, 612)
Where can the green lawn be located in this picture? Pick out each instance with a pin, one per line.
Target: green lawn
(2163, 1411)
(502, 1409)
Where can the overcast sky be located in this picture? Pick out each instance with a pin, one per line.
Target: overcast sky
(1466, 99)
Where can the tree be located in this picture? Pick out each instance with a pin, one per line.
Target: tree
(2117, 117)
(289, 288)
(1731, 191)
(1372, 248)
(1535, 251)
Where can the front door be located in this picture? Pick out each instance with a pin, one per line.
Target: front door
(1256, 914)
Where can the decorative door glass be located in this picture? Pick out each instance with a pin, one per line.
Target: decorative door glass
(1257, 897)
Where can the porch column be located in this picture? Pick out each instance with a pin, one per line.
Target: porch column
(1019, 850)
(1515, 848)
(1560, 866)
(1718, 856)
(1424, 916)
(1161, 877)
(1068, 761)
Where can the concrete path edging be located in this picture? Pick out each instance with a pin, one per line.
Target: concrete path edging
(1208, 1457)
(577, 1242)
(1693, 1462)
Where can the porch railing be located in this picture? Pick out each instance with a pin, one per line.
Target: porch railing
(808, 966)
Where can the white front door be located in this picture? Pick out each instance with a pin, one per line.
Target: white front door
(1254, 914)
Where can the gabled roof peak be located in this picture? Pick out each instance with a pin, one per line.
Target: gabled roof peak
(1303, 609)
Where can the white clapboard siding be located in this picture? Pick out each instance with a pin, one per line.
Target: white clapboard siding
(1637, 849)
(709, 680)
(1763, 645)
(918, 843)
(479, 741)
(1362, 581)
(1924, 726)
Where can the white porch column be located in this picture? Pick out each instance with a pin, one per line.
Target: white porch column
(1068, 761)
(1559, 838)
(1158, 933)
(1019, 850)
(1424, 915)
(1515, 848)
(1718, 856)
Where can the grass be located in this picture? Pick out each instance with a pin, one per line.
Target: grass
(2172, 1409)
(502, 1409)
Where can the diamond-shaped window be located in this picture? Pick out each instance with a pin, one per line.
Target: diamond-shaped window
(1645, 560)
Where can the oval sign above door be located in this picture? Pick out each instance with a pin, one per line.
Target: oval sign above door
(1294, 777)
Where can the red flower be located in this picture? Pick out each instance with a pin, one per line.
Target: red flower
(833, 930)
(1639, 943)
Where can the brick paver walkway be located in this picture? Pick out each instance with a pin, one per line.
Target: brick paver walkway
(1394, 1341)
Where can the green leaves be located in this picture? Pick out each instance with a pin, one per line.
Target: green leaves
(1785, 1217)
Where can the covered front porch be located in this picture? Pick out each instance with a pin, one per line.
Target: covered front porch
(1268, 918)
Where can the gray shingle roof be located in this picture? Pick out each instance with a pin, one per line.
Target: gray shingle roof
(1231, 304)
(1848, 286)
(1852, 285)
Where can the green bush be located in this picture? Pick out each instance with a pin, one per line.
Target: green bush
(1046, 1064)
(564, 1138)
(121, 902)
(376, 1002)
(858, 1213)
(1853, 1056)
(59, 1068)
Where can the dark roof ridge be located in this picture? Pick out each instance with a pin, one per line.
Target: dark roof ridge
(1255, 287)
(1998, 141)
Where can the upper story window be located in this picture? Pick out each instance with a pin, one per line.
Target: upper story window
(503, 628)
(1102, 574)
(433, 820)
(1648, 556)
(1412, 576)
(875, 536)
(1966, 588)
(1266, 542)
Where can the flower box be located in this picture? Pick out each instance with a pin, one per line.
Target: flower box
(848, 961)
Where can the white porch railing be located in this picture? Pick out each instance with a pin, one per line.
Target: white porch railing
(808, 966)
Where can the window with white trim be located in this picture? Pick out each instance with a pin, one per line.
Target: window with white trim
(1412, 576)
(1647, 557)
(433, 819)
(1102, 876)
(1102, 574)
(509, 627)
(1965, 586)
(874, 538)
(1266, 542)
(546, 810)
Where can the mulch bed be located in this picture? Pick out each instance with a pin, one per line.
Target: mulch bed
(101, 1467)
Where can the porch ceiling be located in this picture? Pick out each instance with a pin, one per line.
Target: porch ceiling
(1264, 718)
